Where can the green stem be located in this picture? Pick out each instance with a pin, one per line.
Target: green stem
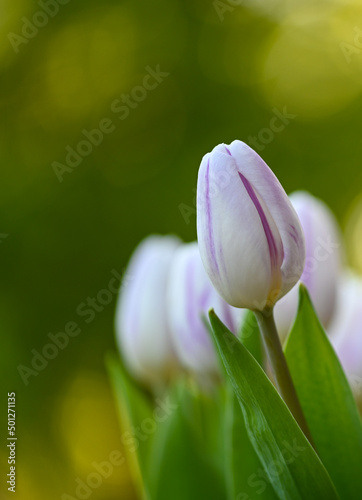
(279, 367)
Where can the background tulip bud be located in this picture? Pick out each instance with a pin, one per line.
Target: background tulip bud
(322, 268)
(346, 329)
(250, 238)
(190, 295)
(142, 328)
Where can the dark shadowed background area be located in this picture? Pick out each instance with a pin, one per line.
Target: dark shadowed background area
(284, 76)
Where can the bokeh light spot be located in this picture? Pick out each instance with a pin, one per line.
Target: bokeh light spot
(304, 67)
(89, 61)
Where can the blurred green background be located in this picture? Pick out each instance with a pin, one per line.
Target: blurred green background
(230, 67)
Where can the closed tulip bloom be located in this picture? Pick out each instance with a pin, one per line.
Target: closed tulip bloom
(142, 328)
(250, 238)
(322, 268)
(346, 329)
(190, 295)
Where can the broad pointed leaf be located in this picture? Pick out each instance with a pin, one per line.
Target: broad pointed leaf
(326, 399)
(290, 463)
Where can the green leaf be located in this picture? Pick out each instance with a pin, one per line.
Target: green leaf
(244, 473)
(290, 463)
(326, 399)
(134, 408)
(181, 463)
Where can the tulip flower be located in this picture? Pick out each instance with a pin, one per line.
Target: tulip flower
(142, 328)
(190, 295)
(321, 273)
(250, 238)
(346, 329)
(251, 244)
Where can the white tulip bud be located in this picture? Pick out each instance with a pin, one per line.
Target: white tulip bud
(142, 328)
(250, 238)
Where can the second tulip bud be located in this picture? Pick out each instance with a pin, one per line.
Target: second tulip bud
(191, 294)
(321, 274)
